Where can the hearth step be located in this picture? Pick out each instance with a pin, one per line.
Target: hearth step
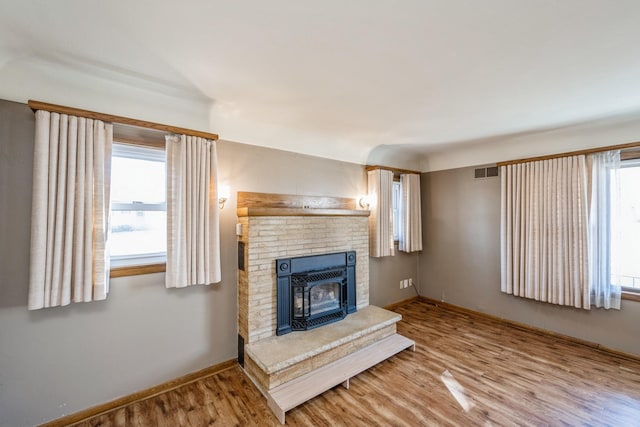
(297, 391)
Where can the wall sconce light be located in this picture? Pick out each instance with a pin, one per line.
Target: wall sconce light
(223, 195)
(365, 202)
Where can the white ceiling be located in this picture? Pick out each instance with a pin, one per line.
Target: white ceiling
(349, 79)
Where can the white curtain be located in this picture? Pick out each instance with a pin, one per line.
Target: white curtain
(193, 235)
(380, 191)
(604, 217)
(410, 214)
(70, 211)
(543, 232)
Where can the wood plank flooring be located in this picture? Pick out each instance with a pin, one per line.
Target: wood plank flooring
(466, 370)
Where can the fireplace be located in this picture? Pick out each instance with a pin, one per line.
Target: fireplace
(315, 290)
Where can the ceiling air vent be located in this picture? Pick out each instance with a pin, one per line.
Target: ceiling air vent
(481, 172)
(492, 171)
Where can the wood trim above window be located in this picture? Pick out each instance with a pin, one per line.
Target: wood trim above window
(160, 145)
(394, 170)
(136, 270)
(61, 109)
(629, 145)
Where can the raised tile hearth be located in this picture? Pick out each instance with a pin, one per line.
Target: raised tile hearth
(292, 367)
(275, 360)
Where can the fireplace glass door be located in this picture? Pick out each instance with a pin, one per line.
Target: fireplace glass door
(310, 301)
(324, 297)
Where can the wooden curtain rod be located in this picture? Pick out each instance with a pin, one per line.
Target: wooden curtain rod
(572, 153)
(394, 170)
(37, 105)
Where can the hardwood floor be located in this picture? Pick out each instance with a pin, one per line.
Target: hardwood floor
(466, 370)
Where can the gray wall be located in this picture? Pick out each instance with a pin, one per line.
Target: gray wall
(60, 360)
(385, 275)
(461, 264)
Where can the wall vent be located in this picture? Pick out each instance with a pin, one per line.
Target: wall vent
(489, 172)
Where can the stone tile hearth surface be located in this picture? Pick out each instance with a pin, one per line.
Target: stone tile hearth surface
(280, 352)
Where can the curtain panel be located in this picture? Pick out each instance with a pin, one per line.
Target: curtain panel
(380, 191)
(604, 233)
(193, 235)
(70, 210)
(544, 227)
(410, 214)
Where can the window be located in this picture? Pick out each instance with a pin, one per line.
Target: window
(138, 206)
(627, 255)
(397, 195)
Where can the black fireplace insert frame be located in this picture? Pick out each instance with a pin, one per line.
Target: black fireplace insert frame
(288, 267)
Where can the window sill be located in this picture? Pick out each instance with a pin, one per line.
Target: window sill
(631, 295)
(136, 270)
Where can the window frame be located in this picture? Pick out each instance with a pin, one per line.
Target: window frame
(155, 262)
(628, 158)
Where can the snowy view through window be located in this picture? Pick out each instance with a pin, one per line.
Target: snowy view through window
(138, 214)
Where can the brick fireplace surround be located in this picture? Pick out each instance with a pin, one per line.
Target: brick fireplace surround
(281, 226)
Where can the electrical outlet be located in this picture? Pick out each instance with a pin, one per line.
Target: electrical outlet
(401, 284)
(411, 281)
(442, 299)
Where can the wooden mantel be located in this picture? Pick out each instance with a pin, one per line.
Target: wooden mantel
(267, 204)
